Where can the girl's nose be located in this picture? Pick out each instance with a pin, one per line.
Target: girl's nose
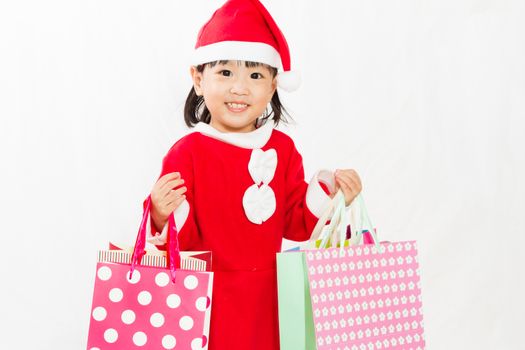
(239, 87)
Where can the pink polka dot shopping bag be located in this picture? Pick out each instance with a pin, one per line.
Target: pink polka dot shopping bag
(350, 296)
(162, 306)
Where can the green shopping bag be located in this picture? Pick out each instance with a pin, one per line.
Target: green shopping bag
(296, 321)
(296, 325)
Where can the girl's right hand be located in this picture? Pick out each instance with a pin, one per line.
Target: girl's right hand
(166, 197)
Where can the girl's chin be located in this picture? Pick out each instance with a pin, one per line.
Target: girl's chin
(236, 126)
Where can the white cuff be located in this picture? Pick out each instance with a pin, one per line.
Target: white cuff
(316, 198)
(180, 214)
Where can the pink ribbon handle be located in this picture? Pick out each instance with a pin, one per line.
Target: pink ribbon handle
(173, 247)
(173, 254)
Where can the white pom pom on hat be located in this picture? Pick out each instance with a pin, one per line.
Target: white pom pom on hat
(244, 30)
(289, 81)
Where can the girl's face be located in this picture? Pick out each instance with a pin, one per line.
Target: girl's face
(234, 94)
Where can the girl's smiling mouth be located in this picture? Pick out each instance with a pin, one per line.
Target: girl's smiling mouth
(236, 107)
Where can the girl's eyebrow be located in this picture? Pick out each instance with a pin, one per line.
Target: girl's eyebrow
(225, 65)
(257, 67)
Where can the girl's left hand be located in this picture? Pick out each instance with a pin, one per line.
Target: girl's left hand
(349, 182)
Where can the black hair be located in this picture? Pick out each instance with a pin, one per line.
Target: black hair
(195, 109)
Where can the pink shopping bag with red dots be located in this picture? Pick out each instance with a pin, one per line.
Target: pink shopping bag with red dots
(150, 307)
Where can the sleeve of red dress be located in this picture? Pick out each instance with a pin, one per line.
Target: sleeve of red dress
(179, 159)
(304, 203)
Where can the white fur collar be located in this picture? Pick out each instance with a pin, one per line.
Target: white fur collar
(251, 140)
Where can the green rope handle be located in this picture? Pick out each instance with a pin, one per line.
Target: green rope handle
(335, 232)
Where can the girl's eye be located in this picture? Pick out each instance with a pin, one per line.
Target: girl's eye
(225, 73)
(256, 76)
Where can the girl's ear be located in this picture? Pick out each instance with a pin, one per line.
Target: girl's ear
(196, 76)
(274, 86)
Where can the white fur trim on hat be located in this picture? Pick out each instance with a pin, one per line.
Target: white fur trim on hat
(237, 50)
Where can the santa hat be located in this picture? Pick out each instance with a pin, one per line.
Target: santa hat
(244, 30)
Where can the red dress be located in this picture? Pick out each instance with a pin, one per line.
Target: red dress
(242, 230)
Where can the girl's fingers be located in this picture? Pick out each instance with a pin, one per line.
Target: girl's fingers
(171, 201)
(351, 178)
(345, 187)
(175, 204)
(174, 195)
(165, 189)
(166, 178)
(353, 174)
(173, 175)
(349, 181)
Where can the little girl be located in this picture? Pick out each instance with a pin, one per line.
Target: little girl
(235, 185)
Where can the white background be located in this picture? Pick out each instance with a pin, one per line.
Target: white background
(424, 98)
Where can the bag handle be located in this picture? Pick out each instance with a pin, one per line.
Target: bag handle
(361, 225)
(336, 230)
(359, 220)
(323, 219)
(173, 252)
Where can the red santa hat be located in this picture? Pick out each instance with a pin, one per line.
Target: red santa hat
(244, 30)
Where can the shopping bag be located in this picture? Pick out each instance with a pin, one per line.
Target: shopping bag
(296, 326)
(350, 296)
(150, 307)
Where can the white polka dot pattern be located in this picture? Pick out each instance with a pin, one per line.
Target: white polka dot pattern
(186, 323)
(162, 279)
(134, 278)
(116, 295)
(99, 313)
(196, 344)
(140, 338)
(365, 298)
(104, 273)
(149, 311)
(128, 317)
(144, 298)
(157, 319)
(191, 282)
(173, 301)
(168, 342)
